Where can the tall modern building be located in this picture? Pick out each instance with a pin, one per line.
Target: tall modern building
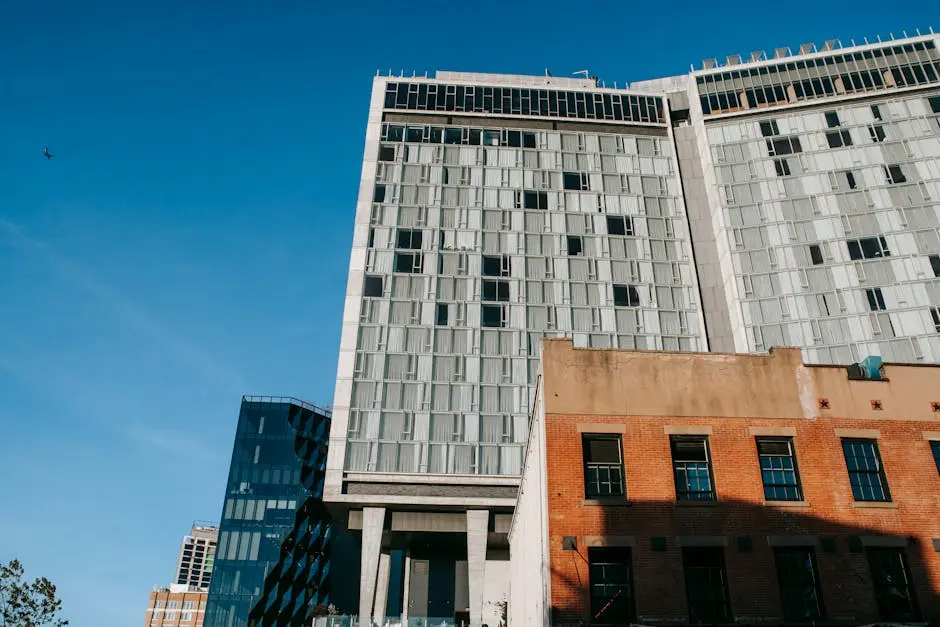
(197, 556)
(492, 210)
(790, 199)
(812, 183)
(272, 562)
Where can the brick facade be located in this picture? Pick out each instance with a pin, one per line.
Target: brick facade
(740, 519)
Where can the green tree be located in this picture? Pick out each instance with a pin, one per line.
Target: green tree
(25, 604)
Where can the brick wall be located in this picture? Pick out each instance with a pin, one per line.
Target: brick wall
(650, 509)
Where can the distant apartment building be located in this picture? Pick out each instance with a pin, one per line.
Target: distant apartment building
(176, 605)
(272, 562)
(197, 555)
(667, 488)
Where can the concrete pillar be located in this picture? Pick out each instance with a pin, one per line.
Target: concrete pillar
(373, 522)
(477, 529)
(406, 586)
(381, 588)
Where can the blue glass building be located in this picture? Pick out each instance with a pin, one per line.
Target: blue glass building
(273, 558)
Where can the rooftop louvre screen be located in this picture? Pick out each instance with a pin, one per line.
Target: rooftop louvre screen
(616, 107)
(759, 86)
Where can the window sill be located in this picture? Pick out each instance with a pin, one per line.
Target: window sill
(615, 501)
(697, 503)
(786, 503)
(874, 505)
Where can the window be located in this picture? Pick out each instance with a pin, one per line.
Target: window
(837, 139)
(866, 474)
(935, 448)
(577, 181)
(769, 128)
(603, 466)
(409, 239)
(868, 248)
(692, 468)
(495, 290)
(934, 102)
(379, 194)
(534, 200)
(386, 153)
(877, 133)
(778, 469)
(876, 300)
(815, 253)
(619, 225)
(894, 174)
(798, 578)
(876, 112)
(782, 167)
(832, 119)
(626, 296)
(442, 314)
(410, 263)
(706, 585)
(372, 286)
(574, 245)
(493, 316)
(495, 265)
(894, 590)
(935, 264)
(850, 177)
(610, 573)
(935, 314)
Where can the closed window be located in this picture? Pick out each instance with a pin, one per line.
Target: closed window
(692, 468)
(934, 102)
(442, 314)
(379, 194)
(935, 314)
(798, 579)
(577, 181)
(876, 112)
(782, 167)
(626, 296)
(935, 448)
(603, 466)
(935, 264)
(815, 254)
(894, 591)
(866, 472)
(495, 290)
(778, 469)
(706, 585)
(610, 572)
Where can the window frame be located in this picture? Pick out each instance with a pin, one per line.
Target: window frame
(683, 495)
(598, 558)
(879, 472)
(726, 615)
(882, 590)
(598, 494)
(796, 485)
(792, 591)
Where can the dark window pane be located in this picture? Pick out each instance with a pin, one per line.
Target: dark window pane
(797, 576)
(442, 314)
(528, 140)
(706, 585)
(492, 316)
(379, 194)
(603, 466)
(414, 134)
(850, 178)
(453, 135)
(574, 245)
(626, 296)
(832, 119)
(408, 262)
(495, 265)
(769, 128)
(782, 167)
(875, 111)
(778, 469)
(935, 264)
(409, 239)
(372, 286)
(866, 474)
(876, 300)
(855, 251)
(535, 200)
(572, 181)
(692, 468)
(616, 225)
(815, 254)
(387, 153)
(494, 290)
(894, 591)
(610, 576)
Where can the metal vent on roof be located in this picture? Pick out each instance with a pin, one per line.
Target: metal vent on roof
(780, 53)
(757, 55)
(708, 64)
(807, 48)
(832, 44)
(733, 59)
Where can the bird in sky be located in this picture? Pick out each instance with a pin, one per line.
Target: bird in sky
(46, 153)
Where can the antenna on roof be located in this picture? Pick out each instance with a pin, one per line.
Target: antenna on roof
(615, 84)
(917, 30)
(586, 73)
(377, 70)
(904, 32)
(891, 35)
(548, 73)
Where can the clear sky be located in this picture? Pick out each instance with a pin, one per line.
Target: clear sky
(189, 241)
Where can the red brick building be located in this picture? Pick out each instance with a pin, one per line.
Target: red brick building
(665, 488)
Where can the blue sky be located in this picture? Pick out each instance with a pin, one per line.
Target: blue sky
(189, 241)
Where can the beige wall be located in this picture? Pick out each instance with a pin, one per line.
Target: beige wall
(156, 617)
(778, 385)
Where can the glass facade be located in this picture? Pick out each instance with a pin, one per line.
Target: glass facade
(272, 560)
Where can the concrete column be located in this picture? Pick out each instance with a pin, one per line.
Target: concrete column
(477, 529)
(381, 588)
(406, 586)
(373, 522)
